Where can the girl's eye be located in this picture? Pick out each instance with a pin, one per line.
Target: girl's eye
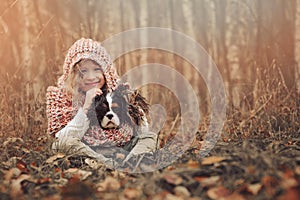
(83, 71)
(98, 69)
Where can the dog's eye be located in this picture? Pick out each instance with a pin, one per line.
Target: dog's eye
(104, 105)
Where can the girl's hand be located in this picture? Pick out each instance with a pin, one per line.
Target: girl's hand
(90, 94)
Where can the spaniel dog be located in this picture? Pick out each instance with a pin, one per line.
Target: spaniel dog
(116, 111)
(111, 110)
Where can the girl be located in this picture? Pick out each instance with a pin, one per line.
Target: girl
(87, 71)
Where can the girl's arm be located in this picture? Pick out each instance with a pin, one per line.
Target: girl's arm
(76, 127)
(68, 140)
(59, 113)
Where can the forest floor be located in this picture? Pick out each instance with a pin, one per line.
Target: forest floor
(235, 170)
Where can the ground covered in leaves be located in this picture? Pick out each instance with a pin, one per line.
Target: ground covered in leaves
(235, 170)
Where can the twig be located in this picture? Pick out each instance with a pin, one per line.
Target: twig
(173, 125)
(138, 163)
(257, 111)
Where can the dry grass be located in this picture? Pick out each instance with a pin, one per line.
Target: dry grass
(272, 111)
(22, 112)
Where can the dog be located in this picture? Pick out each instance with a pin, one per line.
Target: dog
(114, 112)
(111, 110)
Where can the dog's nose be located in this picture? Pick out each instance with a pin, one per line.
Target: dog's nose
(109, 116)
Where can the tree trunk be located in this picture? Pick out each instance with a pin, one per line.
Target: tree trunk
(297, 46)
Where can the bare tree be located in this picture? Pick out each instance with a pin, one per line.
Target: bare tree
(297, 45)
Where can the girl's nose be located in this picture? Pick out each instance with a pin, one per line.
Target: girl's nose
(90, 75)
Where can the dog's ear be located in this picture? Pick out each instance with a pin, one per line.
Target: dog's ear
(93, 112)
(138, 100)
(123, 90)
(138, 107)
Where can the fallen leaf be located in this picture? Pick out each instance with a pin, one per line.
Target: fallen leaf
(109, 184)
(234, 196)
(193, 164)
(212, 159)
(239, 182)
(16, 187)
(289, 183)
(79, 173)
(173, 179)
(172, 197)
(55, 157)
(182, 191)
(12, 173)
(26, 150)
(290, 194)
(254, 188)
(92, 163)
(269, 183)
(132, 193)
(208, 181)
(22, 166)
(217, 192)
(44, 180)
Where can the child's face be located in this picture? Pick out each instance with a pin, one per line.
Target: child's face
(91, 75)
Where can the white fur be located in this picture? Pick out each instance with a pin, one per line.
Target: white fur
(114, 122)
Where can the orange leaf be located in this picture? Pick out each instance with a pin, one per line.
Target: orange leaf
(290, 194)
(254, 188)
(193, 164)
(269, 183)
(212, 159)
(44, 180)
(289, 183)
(22, 166)
(181, 191)
(131, 193)
(234, 196)
(77, 173)
(173, 179)
(53, 158)
(217, 192)
(207, 181)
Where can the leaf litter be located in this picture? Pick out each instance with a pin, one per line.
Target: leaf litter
(240, 169)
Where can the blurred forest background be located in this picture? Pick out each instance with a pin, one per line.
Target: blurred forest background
(254, 43)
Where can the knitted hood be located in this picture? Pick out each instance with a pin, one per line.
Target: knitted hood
(89, 49)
